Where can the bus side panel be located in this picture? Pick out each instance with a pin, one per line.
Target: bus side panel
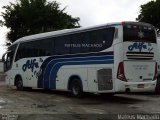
(51, 66)
(9, 79)
(89, 76)
(14, 71)
(100, 78)
(92, 79)
(118, 53)
(65, 73)
(28, 69)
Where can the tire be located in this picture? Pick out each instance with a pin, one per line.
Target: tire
(76, 88)
(19, 83)
(157, 90)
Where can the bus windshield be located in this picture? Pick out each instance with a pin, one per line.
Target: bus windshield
(139, 33)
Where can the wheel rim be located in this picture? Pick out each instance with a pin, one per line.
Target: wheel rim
(75, 89)
(19, 84)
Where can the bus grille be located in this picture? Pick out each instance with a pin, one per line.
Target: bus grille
(105, 79)
(140, 55)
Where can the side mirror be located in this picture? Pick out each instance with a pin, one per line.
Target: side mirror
(3, 56)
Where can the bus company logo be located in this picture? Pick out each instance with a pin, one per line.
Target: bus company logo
(137, 46)
(30, 64)
(140, 34)
(140, 46)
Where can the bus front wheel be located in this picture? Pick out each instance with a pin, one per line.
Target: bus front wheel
(76, 88)
(19, 83)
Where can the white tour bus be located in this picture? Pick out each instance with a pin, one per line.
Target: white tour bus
(111, 58)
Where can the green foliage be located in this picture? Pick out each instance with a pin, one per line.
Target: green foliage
(150, 13)
(27, 17)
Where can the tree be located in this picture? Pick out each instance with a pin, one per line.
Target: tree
(150, 13)
(27, 17)
(1, 23)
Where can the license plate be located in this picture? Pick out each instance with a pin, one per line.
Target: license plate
(140, 86)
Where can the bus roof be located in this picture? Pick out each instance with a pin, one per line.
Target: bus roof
(67, 31)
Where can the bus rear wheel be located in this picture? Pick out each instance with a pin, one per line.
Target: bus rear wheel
(158, 86)
(76, 88)
(19, 83)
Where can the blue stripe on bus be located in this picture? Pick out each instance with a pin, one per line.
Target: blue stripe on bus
(43, 79)
(50, 67)
(53, 72)
(53, 62)
(53, 67)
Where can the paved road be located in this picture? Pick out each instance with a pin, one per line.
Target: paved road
(60, 103)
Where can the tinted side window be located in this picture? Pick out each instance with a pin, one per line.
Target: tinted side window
(106, 37)
(35, 49)
(62, 45)
(76, 43)
(101, 39)
(44, 47)
(95, 43)
(92, 41)
(85, 40)
(79, 43)
(32, 48)
(21, 52)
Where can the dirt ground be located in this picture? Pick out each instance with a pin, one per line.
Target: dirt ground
(46, 105)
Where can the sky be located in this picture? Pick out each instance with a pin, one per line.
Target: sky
(90, 12)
